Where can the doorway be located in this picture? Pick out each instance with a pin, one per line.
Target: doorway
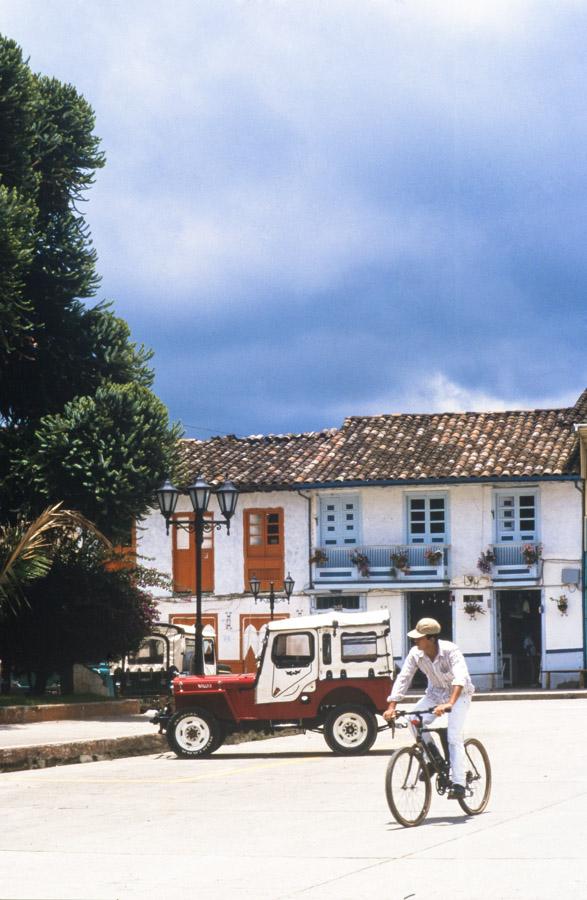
(519, 637)
(429, 605)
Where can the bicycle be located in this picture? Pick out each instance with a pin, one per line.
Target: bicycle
(408, 779)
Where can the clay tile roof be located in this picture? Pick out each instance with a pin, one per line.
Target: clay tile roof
(395, 447)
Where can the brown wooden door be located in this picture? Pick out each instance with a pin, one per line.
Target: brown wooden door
(250, 638)
(264, 547)
(184, 558)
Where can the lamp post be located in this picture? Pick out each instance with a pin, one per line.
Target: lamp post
(199, 493)
(288, 586)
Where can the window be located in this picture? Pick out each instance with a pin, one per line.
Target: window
(264, 547)
(427, 519)
(360, 647)
(327, 649)
(516, 517)
(339, 521)
(151, 652)
(338, 601)
(293, 650)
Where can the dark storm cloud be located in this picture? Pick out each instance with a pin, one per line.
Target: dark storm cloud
(314, 210)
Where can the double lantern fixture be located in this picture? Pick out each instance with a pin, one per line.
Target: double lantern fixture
(288, 586)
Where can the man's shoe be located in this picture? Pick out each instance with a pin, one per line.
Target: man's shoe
(457, 792)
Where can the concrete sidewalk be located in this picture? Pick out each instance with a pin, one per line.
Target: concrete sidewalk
(35, 745)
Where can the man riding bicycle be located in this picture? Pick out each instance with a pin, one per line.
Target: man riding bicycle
(449, 690)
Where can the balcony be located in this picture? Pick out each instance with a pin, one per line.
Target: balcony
(510, 564)
(335, 565)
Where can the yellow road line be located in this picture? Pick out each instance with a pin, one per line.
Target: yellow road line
(206, 776)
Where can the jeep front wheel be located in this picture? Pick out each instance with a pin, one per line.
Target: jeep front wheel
(194, 733)
(350, 729)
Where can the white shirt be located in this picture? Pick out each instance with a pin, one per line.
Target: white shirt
(443, 672)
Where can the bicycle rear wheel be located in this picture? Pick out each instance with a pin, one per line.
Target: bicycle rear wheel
(478, 778)
(407, 787)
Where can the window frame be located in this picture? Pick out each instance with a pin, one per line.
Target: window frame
(517, 535)
(335, 603)
(372, 657)
(427, 538)
(293, 661)
(323, 500)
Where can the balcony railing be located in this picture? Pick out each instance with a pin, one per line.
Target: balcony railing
(336, 565)
(510, 563)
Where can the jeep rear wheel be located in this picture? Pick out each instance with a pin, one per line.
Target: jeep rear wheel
(194, 733)
(350, 729)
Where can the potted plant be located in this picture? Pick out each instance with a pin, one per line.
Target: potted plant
(361, 561)
(319, 557)
(400, 562)
(473, 607)
(485, 561)
(433, 557)
(531, 553)
(562, 604)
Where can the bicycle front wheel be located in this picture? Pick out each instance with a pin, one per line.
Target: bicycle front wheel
(478, 778)
(407, 787)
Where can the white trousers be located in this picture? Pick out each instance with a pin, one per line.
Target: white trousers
(456, 722)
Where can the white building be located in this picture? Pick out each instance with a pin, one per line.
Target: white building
(395, 511)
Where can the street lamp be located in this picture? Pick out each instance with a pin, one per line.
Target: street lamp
(288, 586)
(199, 493)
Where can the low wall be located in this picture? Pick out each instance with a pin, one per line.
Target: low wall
(51, 712)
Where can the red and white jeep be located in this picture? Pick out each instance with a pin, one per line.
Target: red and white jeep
(328, 672)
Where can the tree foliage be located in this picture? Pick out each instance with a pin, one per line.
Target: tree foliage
(80, 423)
(80, 611)
(27, 550)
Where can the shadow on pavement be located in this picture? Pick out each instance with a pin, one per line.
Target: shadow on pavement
(275, 754)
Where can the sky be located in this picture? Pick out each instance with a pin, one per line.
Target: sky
(312, 210)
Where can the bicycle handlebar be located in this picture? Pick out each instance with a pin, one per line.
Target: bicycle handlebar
(416, 712)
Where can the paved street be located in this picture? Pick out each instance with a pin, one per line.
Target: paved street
(287, 819)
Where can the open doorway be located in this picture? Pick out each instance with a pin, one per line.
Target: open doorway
(519, 637)
(429, 605)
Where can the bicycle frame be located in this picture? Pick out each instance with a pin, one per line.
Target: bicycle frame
(437, 764)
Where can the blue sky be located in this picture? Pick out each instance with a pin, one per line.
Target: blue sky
(313, 210)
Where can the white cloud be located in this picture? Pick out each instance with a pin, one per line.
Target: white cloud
(436, 393)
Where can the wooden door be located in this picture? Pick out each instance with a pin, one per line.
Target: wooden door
(251, 625)
(264, 547)
(184, 558)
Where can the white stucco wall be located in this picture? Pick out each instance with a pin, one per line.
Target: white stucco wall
(471, 530)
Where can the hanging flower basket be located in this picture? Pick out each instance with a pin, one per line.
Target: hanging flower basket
(400, 562)
(486, 561)
(474, 608)
(532, 553)
(319, 557)
(361, 561)
(562, 604)
(433, 557)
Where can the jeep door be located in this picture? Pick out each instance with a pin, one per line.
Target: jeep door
(290, 666)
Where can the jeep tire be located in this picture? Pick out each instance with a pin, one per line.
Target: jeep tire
(193, 733)
(350, 729)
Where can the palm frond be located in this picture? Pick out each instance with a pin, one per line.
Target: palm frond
(26, 551)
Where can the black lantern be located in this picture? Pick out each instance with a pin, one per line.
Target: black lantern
(227, 499)
(199, 493)
(167, 496)
(288, 585)
(254, 585)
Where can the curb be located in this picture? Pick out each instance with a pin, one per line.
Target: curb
(46, 755)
